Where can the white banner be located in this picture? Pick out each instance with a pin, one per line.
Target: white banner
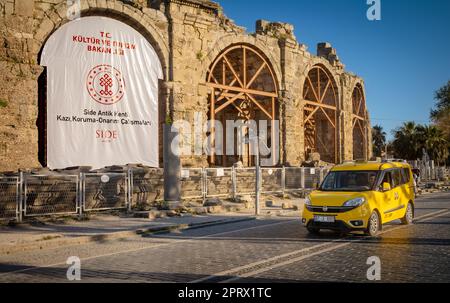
(102, 95)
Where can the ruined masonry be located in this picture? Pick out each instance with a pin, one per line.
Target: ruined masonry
(210, 66)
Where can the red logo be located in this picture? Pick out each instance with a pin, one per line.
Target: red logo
(106, 135)
(105, 84)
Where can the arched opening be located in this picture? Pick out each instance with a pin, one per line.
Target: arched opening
(244, 87)
(359, 117)
(88, 98)
(41, 121)
(320, 114)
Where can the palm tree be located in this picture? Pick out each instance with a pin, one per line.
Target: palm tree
(406, 141)
(440, 114)
(378, 139)
(433, 140)
(442, 97)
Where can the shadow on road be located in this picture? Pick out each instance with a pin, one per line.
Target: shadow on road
(58, 275)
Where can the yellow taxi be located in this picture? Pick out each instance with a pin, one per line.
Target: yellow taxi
(361, 197)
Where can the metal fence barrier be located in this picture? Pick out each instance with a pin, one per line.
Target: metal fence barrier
(192, 183)
(39, 195)
(10, 198)
(245, 181)
(312, 177)
(294, 178)
(104, 191)
(219, 182)
(50, 194)
(272, 180)
(145, 186)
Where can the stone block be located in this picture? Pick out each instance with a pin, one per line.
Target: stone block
(46, 26)
(213, 202)
(24, 7)
(9, 8)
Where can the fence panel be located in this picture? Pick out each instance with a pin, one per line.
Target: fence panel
(146, 186)
(104, 191)
(245, 181)
(312, 177)
(272, 180)
(192, 183)
(9, 198)
(69, 194)
(50, 194)
(219, 182)
(294, 178)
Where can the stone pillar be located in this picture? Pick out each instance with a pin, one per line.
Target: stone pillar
(172, 168)
(341, 133)
(292, 137)
(346, 120)
(369, 143)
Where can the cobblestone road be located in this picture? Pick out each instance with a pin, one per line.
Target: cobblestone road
(263, 250)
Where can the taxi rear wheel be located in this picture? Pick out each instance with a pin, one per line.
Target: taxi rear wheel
(373, 227)
(409, 215)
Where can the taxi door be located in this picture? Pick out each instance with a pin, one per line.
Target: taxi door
(399, 205)
(386, 198)
(409, 184)
(406, 191)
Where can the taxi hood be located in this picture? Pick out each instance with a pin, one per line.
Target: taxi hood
(333, 198)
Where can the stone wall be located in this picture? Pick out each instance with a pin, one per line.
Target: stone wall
(188, 35)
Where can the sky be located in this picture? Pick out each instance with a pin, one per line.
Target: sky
(404, 58)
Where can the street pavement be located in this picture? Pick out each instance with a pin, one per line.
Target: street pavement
(271, 249)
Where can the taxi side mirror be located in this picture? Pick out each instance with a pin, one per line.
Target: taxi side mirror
(386, 186)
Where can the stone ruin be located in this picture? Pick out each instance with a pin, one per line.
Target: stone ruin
(320, 106)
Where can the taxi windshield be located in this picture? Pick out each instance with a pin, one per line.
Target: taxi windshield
(349, 181)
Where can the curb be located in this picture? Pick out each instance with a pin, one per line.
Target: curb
(180, 227)
(39, 245)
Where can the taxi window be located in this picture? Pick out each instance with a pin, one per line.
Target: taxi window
(406, 176)
(387, 178)
(349, 181)
(397, 177)
(329, 182)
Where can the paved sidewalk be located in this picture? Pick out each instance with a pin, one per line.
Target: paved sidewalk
(100, 227)
(47, 233)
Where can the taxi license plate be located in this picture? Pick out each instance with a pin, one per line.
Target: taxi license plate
(324, 219)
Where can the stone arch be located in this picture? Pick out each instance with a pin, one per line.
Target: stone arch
(321, 102)
(331, 70)
(229, 40)
(120, 12)
(359, 122)
(130, 16)
(243, 87)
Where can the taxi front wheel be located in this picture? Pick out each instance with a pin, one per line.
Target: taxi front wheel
(313, 231)
(373, 227)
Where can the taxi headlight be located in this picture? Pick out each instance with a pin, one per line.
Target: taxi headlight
(308, 201)
(355, 202)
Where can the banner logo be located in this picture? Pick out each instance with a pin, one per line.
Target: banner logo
(105, 84)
